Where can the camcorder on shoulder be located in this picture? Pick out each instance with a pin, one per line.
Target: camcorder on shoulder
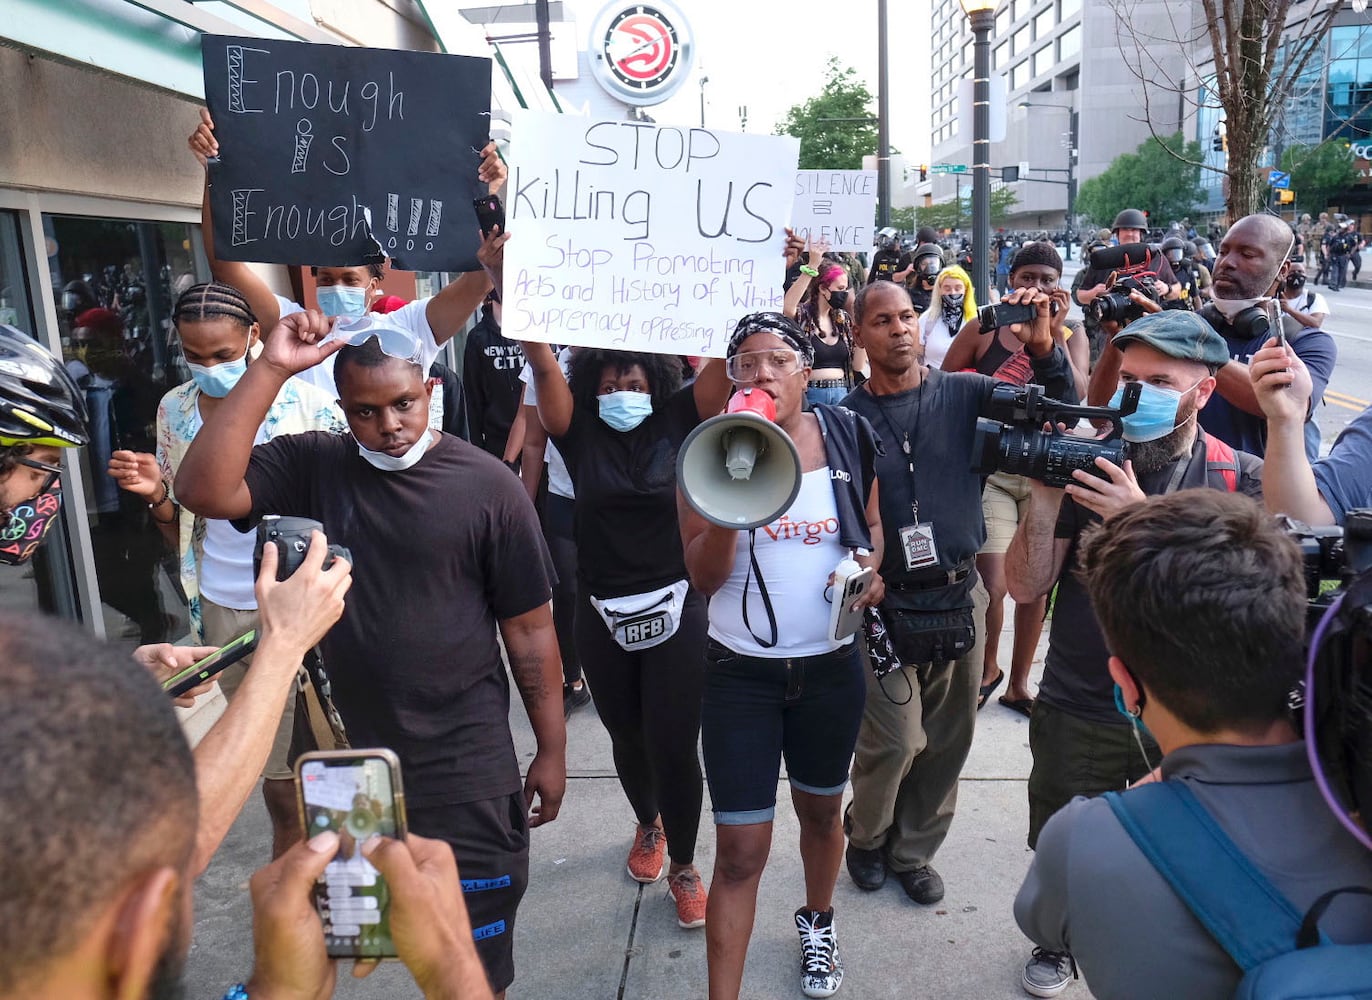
(1133, 268)
(1013, 438)
(1332, 705)
(291, 536)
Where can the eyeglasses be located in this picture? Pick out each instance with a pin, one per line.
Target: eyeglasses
(393, 341)
(53, 473)
(748, 366)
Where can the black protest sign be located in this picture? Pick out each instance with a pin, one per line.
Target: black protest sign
(333, 155)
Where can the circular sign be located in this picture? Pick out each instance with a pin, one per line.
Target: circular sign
(640, 52)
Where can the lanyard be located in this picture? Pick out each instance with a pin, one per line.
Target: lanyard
(905, 442)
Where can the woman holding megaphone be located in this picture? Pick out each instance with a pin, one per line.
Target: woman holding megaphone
(778, 684)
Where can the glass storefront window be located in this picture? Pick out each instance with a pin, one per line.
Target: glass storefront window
(45, 582)
(115, 283)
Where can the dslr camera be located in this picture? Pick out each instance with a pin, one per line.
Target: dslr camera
(1333, 556)
(291, 536)
(1013, 438)
(1133, 268)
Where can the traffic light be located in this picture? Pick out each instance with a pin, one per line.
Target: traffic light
(924, 171)
(1220, 141)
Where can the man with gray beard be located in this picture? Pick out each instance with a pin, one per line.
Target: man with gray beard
(1080, 743)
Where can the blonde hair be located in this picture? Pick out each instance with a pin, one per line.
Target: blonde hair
(969, 299)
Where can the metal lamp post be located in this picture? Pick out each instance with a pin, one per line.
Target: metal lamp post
(1071, 165)
(982, 14)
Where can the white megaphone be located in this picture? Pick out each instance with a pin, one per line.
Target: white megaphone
(739, 469)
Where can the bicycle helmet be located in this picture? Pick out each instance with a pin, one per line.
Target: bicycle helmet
(40, 402)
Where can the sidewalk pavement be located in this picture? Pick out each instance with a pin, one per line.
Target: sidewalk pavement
(587, 932)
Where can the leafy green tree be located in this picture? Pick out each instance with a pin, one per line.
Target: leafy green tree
(837, 127)
(950, 214)
(1156, 177)
(1318, 173)
(1261, 51)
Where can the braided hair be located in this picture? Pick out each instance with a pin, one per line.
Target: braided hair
(213, 300)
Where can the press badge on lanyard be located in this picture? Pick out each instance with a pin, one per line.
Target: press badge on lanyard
(917, 545)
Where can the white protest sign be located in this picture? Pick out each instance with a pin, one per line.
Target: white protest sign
(837, 207)
(642, 237)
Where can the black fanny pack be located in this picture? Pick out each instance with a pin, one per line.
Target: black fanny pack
(924, 637)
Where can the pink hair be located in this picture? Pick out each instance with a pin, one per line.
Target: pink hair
(828, 273)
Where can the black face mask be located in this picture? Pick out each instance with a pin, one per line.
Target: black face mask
(1295, 282)
(837, 300)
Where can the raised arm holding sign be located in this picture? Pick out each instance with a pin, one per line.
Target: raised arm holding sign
(320, 152)
(640, 237)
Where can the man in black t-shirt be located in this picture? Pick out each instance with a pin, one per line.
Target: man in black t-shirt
(453, 556)
(1080, 743)
(490, 372)
(909, 755)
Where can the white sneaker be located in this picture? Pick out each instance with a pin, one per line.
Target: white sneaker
(821, 970)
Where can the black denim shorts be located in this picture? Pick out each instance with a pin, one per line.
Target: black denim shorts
(759, 710)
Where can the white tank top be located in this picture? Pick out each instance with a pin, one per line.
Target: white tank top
(796, 553)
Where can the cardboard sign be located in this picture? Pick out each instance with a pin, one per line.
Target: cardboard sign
(642, 237)
(335, 155)
(836, 207)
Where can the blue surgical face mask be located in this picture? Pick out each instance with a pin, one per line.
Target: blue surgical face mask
(1156, 415)
(625, 410)
(218, 380)
(342, 300)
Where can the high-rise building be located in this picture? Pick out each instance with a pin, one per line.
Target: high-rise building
(1058, 61)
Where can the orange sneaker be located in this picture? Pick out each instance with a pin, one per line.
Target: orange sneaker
(648, 856)
(688, 891)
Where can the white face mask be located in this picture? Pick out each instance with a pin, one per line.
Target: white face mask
(396, 463)
(1229, 308)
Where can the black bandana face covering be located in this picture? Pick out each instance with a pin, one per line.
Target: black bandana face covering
(952, 311)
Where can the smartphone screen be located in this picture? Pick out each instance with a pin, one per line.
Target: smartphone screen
(202, 670)
(356, 794)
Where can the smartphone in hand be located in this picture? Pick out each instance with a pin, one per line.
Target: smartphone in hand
(202, 670)
(357, 794)
(489, 214)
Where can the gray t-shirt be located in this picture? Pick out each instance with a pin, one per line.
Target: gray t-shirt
(1092, 892)
(1345, 476)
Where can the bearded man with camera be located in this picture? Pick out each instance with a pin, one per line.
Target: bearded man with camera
(1080, 744)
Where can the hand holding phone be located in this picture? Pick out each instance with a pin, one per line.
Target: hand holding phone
(355, 794)
(202, 670)
(489, 214)
(850, 582)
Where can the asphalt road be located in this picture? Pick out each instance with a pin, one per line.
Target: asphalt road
(1350, 388)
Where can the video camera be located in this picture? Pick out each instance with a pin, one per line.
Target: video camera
(1133, 268)
(1334, 702)
(291, 536)
(1013, 438)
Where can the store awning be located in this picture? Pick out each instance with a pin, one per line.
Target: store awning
(156, 42)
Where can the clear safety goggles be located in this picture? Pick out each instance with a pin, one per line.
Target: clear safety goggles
(748, 366)
(393, 341)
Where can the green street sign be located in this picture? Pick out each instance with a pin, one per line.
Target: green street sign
(950, 168)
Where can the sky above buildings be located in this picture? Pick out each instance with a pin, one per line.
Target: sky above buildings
(771, 54)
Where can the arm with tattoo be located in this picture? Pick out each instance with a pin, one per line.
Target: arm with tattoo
(531, 646)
